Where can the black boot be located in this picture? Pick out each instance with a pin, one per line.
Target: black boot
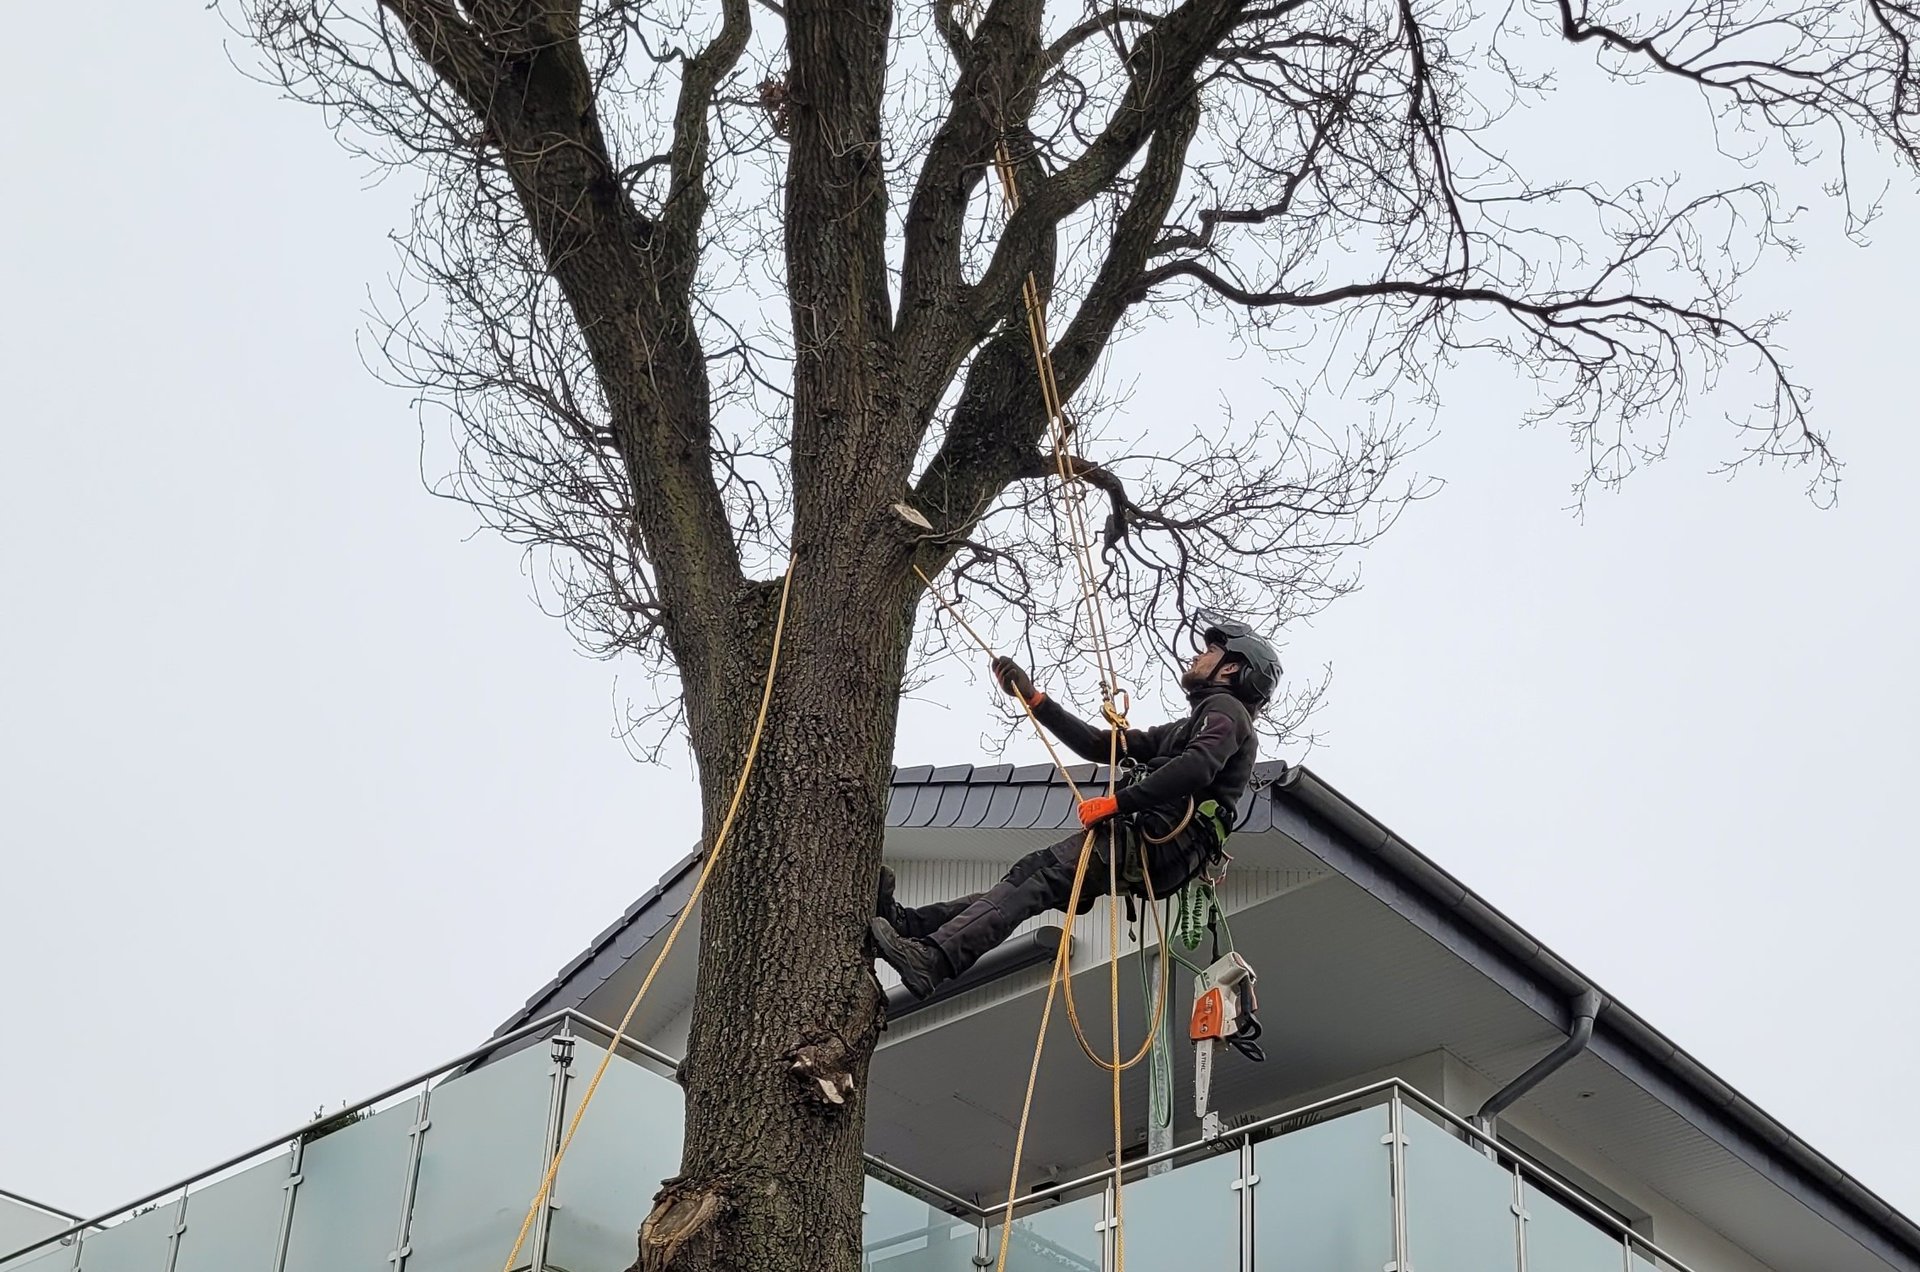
(920, 963)
(884, 906)
(915, 922)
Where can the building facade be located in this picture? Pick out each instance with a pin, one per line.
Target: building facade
(1441, 1093)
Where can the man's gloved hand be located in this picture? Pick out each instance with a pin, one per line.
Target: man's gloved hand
(1098, 809)
(1013, 679)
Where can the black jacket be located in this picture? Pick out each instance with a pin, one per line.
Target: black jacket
(1208, 755)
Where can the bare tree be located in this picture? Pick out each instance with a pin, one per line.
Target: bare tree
(616, 198)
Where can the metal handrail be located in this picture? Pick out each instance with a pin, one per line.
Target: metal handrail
(281, 1141)
(955, 1204)
(1372, 1092)
(41, 1206)
(1232, 1138)
(530, 1029)
(1543, 1174)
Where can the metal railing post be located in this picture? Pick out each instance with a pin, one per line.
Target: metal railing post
(1519, 1220)
(290, 1191)
(1110, 1230)
(1243, 1187)
(178, 1231)
(416, 1147)
(1396, 1141)
(556, 1117)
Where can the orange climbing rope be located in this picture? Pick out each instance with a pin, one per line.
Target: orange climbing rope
(1114, 708)
(1146, 875)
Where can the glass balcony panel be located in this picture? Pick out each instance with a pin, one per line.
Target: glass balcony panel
(1644, 1262)
(1324, 1202)
(233, 1224)
(1459, 1203)
(1188, 1217)
(53, 1258)
(346, 1211)
(481, 1163)
(1560, 1240)
(901, 1233)
(628, 1143)
(1064, 1238)
(138, 1244)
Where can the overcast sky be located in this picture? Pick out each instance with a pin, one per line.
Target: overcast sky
(302, 792)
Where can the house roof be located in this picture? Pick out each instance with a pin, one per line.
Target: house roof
(1349, 841)
(951, 797)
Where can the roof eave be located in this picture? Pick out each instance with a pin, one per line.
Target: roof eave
(1499, 947)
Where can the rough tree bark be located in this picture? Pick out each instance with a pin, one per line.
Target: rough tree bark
(593, 166)
(775, 1076)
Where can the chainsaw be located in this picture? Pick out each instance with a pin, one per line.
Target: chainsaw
(1224, 1015)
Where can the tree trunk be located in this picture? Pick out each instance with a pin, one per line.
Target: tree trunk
(787, 1010)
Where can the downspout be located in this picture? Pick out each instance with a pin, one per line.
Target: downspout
(1585, 1008)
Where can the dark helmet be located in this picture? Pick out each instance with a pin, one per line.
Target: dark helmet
(1259, 661)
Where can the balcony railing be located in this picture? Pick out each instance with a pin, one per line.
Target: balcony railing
(435, 1175)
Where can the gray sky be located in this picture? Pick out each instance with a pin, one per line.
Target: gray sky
(302, 793)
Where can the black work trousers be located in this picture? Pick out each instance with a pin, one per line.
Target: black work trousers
(966, 928)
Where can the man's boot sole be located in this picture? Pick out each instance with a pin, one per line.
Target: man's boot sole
(888, 942)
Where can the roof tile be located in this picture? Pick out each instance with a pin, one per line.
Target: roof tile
(1027, 812)
(953, 798)
(979, 800)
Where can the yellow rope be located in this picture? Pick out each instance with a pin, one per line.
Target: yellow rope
(1072, 487)
(1114, 708)
(673, 934)
(1073, 1015)
(1039, 731)
(1039, 1046)
(1060, 975)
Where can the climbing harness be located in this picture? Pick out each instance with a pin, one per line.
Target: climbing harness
(673, 934)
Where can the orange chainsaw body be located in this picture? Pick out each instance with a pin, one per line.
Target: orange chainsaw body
(1211, 1018)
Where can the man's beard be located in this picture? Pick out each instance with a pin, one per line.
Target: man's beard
(1191, 679)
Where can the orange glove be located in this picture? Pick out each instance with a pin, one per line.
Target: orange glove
(1098, 809)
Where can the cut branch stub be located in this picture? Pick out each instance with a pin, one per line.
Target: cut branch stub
(681, 1214)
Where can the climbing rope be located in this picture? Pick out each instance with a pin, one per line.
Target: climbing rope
(673, 934)
(1072, 486)
(1073, 1014)
(1060, 974)
(1113, 706)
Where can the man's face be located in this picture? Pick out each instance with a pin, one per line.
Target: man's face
(1201, 670)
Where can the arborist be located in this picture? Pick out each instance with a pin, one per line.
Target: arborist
(1206, 758)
